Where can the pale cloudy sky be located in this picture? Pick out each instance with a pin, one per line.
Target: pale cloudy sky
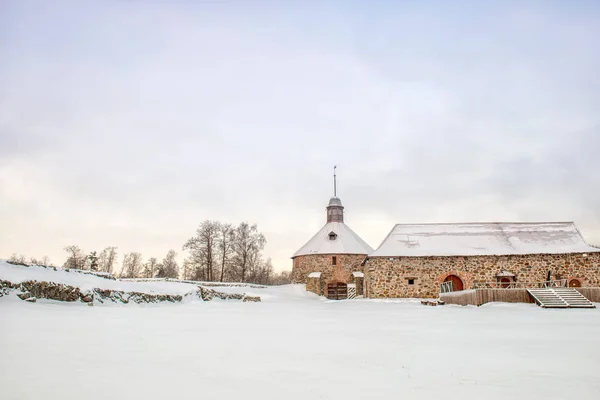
(129, 122)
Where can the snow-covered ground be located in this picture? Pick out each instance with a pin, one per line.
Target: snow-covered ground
(294, 345)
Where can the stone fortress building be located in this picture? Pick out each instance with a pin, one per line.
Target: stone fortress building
(333, 258)
(414, 260)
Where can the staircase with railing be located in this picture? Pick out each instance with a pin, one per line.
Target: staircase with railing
(548, 294)
(560, 297)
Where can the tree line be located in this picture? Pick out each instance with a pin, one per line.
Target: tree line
(217, 252)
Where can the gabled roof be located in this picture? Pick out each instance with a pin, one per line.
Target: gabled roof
(346, 242)
(475, 239)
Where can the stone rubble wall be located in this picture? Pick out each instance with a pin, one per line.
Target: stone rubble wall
(386, 277)
(210, 294)
(315, 285)
(32, 290)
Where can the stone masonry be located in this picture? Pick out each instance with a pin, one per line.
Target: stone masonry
(386, 277)
(341, 272)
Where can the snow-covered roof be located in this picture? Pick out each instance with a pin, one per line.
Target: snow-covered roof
(314, 275)
(346, 242)
(473, 239)
(358, 274)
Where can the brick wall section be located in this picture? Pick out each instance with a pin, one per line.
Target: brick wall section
(389, 278)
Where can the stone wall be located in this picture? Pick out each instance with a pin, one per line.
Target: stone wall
(359, 282)
(386, 277)
(315, 285)
(341, 272)
(33, 290)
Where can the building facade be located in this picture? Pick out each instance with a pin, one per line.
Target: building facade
(331, 262)
(414, 260)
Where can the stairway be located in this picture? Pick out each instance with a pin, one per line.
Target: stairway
(560, 298)
(574, 298)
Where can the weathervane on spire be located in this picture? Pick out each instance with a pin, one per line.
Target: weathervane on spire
(334, 182)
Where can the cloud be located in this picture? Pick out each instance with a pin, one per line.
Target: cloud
(131, 123)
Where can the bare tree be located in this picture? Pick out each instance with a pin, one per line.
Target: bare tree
(248, 244)
(169, 268)
(203, 250)
(282, 278)
(17, 259)
(186, 270)
(132, 265)
(267, 272)
(76, 258)
(107, 259)
(46, 261)
(150, 268)
(225, 240)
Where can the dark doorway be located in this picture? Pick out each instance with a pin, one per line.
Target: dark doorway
(574, 283)
(457, 283)
(337, 291)
(505, 282)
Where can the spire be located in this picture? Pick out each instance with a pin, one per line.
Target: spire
(334, 182)
(335, 210)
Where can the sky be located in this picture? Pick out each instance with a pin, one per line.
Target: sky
(127, 123)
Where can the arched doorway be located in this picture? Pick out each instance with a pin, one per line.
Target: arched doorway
(337, 291)
(574, 283)
(457, 283)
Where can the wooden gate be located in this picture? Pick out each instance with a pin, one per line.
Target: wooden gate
(337, 291)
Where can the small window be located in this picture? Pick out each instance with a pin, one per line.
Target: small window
(334, 260)
(411, 281)
(332, 235)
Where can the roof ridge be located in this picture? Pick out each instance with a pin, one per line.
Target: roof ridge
(487, 223)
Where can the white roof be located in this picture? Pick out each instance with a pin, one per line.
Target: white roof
(358, 274)
(346, 242)
(314, 275)
(474, 239)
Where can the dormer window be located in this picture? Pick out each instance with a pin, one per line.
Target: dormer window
(332, 235)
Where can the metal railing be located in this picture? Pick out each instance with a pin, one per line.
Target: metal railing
(447, 287)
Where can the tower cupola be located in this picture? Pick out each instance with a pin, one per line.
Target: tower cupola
(335, 210)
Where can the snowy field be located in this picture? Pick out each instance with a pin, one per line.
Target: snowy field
(294, 345)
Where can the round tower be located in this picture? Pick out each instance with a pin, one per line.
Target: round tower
(332, 259)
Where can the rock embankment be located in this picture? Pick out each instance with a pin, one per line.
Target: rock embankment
(33, 290)
(209, 294)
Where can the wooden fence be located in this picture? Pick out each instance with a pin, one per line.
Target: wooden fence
(478, 297)
(591, 293)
